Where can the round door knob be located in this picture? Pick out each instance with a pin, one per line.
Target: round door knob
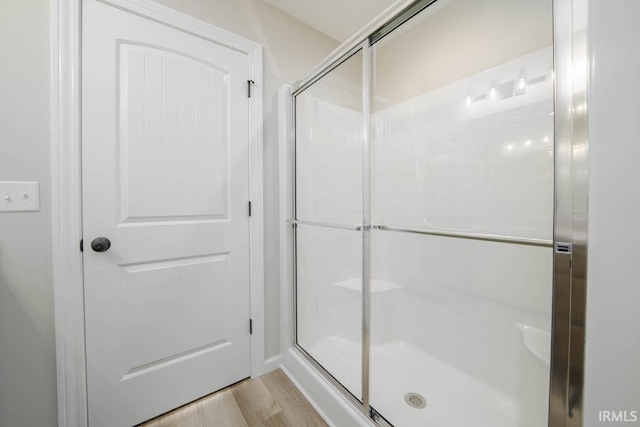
(100, 244)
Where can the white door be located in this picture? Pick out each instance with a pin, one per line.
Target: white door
(165, 179)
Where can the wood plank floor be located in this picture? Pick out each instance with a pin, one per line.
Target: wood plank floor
(269, 401)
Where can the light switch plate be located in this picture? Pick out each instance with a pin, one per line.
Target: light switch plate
(19, 196)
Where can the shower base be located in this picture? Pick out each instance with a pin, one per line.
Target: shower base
(453, 399)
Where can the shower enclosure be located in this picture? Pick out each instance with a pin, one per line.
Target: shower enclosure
(433, 216)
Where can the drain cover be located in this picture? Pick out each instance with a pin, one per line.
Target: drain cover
(415, 400)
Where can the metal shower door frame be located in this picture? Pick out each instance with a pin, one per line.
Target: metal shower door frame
(570, 202)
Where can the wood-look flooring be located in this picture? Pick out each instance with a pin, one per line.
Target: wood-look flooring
(269, 401)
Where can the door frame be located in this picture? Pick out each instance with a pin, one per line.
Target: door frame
(66, 186)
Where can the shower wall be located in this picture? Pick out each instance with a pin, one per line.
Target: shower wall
(457, 159)
(443, 165)
(329, 148)
(471, 325)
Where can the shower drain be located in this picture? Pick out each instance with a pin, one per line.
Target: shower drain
(415, 400)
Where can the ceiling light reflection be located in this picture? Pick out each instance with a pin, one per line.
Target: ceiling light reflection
(520, 86)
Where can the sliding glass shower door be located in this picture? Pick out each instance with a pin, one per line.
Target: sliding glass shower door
(424, 216)
(462, 199)
(328, 213)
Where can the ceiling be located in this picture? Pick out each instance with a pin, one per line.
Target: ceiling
(338, 19)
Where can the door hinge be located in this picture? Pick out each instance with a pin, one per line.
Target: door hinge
(81, 245)
(250, 326)
(249, 207)
(249, 83)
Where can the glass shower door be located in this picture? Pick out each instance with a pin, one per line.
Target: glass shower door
(328, 222)
(462, 216)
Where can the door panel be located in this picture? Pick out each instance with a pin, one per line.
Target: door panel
(181, 103)
(173, 308)
(165, 178)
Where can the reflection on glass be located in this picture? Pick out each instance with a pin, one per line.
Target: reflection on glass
(463, 143)
(329, 147)
(329, 300)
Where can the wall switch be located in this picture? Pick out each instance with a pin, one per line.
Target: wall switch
(19, 196)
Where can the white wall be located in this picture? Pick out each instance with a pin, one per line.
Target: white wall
(613, 282)
(27, 349)
(291, 49)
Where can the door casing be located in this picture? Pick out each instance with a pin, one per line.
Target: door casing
(66, 185)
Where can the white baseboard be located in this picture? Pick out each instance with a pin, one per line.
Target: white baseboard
(272, 363)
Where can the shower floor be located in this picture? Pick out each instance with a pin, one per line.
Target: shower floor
(454, 399)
